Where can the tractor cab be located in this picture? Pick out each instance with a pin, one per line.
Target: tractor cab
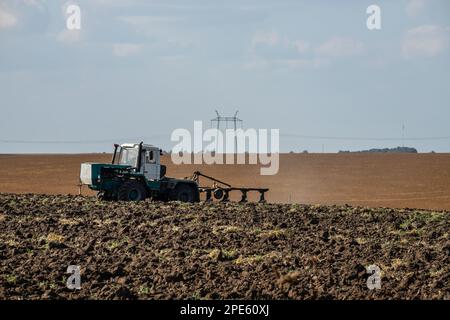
(144, 158)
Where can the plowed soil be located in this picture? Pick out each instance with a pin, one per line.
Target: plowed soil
(152, 250)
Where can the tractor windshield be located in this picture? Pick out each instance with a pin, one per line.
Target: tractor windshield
(127, 156)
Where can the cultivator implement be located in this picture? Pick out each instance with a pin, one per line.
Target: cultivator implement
(220, 190)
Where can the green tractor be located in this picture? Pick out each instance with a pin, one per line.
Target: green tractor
(135, 173)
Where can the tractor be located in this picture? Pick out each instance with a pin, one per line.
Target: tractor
(135, 173)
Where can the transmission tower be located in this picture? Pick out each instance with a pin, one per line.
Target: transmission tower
(217, 121)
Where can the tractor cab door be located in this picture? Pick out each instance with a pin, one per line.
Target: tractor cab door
(150, 164)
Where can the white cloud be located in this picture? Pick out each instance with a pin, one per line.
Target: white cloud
(69, 36)
(40, 4)
(110, 3)
(273, 49)
(304, 63)
(270, 39)
(7, 19)
(339, 47)
(295, 63)
(425, 41)
(301, 46)
(273, 39)
(170, 59)
(256, 64)
(414, 7)
(145, 21)
(126, 49)
(162, 30)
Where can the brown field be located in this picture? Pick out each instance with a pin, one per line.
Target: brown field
(154, 250)
(386, 180)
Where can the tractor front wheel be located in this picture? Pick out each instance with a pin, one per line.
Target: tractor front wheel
(131, 191)
(104, 196)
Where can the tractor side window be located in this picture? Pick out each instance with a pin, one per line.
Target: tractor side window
(149, 157)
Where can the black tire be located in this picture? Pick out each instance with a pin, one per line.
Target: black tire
(218, 194)
(184, 193)
(104, 196)
(131, 191)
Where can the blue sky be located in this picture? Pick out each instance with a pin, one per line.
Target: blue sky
(140, 69)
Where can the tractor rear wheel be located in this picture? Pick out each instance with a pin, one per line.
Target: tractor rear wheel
(183, 193)
(131, 191)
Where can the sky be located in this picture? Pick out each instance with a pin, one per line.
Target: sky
(138, 70)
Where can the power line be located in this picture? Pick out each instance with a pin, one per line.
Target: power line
(361, 138)
(230, 119)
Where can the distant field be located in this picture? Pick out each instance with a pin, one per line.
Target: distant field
(387, 180)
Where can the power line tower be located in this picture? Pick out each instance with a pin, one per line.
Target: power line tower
(217, 121)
